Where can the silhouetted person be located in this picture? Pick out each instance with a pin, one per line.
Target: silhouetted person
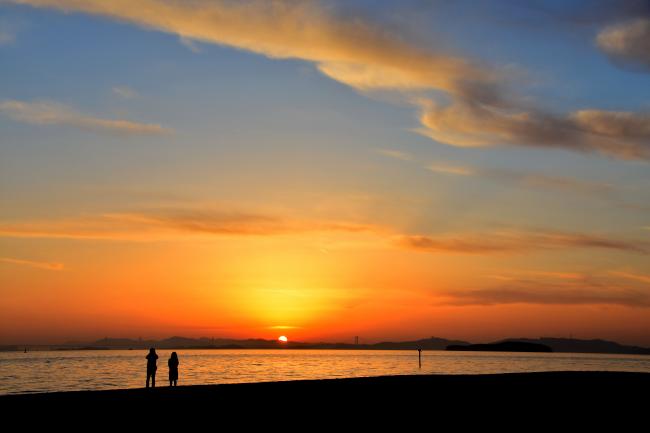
(173, 369)
(420, 358)
(151, 367)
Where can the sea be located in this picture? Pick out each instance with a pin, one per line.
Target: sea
(48, 371)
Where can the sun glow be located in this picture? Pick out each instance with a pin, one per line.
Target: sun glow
(283, 339)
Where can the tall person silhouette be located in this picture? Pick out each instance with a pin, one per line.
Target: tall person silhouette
(151, 367)
(173, 369)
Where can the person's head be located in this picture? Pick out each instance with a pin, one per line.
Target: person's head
(174, 356)
(152, 350)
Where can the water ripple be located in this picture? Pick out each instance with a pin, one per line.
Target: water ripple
(92, 370)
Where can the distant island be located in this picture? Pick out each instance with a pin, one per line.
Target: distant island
(503, 346)
(560, 345)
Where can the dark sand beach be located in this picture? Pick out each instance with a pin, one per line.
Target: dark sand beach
(579, 397)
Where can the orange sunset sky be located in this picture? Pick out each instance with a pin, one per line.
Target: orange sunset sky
(324, 169)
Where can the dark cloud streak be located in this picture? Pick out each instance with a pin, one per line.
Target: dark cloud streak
(517, 242)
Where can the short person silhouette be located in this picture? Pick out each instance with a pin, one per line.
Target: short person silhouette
(151, 367)
(173, 369)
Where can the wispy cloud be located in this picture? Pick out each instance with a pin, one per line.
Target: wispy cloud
(451, 169)
(397, 154)
(280, 327)
(177, 223)
(174, 223)
(349, 49)
(632, 276)
(52, 113)
(545, 293)
(517, 242)
(124, 92)
(527, 179)
(190, 44)
(464, 123)
(479, 108)
(553, 288)
(7, 32)
(627, 42)
(50, 266)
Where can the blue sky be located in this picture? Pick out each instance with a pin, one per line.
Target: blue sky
(110, 112)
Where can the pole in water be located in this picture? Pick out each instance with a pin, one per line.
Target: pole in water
(420, 358)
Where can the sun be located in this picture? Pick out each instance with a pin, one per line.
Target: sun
(282, 339)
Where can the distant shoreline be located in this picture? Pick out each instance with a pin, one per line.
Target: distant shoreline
(470, 348)
(553, 344)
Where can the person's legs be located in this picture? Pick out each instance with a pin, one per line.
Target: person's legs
(148, 376)
(153, 379)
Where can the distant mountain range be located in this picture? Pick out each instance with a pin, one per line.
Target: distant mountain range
(432, 343)
(567, 345)
(585, 346)
(502, 346)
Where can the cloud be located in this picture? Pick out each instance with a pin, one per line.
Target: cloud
(174, 223)
(124, 92)
(549, 293)
(283, 327)
(623, 135)
(190, 44)
(348, 49)
(456, 170)
(632, 276)
(628, 42)
(39, 265)
(7, 33)
(517, 242)
(531, 180)
(397, 154)
(544, 274)
(51, 113)
(553, 288)
(480, 109)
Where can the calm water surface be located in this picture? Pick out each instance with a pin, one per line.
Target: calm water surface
(91, 370)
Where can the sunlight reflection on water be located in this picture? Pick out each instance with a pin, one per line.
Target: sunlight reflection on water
(91, 370)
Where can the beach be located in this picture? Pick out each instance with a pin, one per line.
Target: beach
(580, 396)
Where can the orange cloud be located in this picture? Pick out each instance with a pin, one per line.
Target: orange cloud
(51, 113)
(350, 50)
(543, 293)
(632, 276)
(466, 123)
(354, 51)
(50, 266)
(628, 42)
(176, 223)
(516, 242)
(558, 288)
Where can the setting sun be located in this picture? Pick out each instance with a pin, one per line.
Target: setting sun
(345, 174)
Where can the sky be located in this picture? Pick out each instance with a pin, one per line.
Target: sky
(324, 169)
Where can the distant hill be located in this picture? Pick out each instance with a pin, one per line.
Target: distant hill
(503, 346)
(176, 342)
(572, 345)
(433, 343)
